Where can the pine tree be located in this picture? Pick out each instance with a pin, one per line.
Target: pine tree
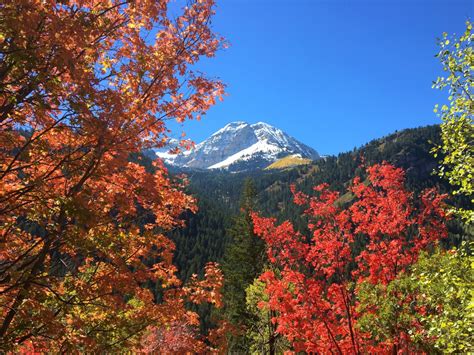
(243, 262)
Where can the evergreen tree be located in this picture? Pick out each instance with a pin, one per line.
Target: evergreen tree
(243, 261)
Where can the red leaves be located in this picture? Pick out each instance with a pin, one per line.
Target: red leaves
(383, 206)
(178, 337)
(314, 290)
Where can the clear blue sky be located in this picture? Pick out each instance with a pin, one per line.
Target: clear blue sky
(335, 73)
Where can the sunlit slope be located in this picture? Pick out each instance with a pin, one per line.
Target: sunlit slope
(288, 162)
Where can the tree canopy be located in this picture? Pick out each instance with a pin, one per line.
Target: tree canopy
(84, 85)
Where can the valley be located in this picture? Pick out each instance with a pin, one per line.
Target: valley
(219, 191)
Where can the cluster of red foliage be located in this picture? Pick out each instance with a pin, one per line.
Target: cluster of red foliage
(183, 338)
(314, 291)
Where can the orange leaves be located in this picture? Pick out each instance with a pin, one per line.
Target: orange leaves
(181, 335)
(208, 289)
(85, 89)
(313, 282)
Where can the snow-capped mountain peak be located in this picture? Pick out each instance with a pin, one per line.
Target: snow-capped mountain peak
(241, 146)
(231, 127)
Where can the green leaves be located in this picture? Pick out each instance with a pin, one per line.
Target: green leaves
(457, 58)
(432, 303)
(445, 283)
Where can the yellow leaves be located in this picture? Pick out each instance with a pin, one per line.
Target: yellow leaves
(135, 25)
(106, 64)
(159, 55)
(457, 123)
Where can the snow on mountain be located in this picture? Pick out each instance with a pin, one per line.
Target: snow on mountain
(164, 153)
(240, 146)
(246, 154)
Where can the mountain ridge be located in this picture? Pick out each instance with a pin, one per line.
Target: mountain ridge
(240, 146)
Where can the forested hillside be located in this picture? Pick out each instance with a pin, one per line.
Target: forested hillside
(205, 237)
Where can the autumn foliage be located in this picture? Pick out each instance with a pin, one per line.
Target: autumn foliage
(314, 288)
(84, 85)
(181, 335)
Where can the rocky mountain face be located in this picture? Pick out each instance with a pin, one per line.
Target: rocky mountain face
(240, 146)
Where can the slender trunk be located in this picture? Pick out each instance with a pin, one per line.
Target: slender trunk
(332, 338)
(349, 321)
(271, 345)
(271, 335)
(23, 293)
(35, 269)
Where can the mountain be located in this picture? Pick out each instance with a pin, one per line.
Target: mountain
(240, 146)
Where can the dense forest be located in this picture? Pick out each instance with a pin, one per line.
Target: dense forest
(105, 250)
(205, 236)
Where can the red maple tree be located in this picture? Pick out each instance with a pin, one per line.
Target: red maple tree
(314, 291)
